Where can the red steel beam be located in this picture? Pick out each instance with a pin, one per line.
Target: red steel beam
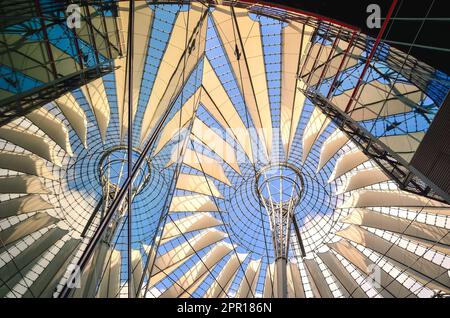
(308, 54)
(341, 65)
(330, 57)
(372, 53)
(319, 52)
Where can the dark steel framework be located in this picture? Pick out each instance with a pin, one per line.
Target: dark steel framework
(19, 14)
(406, 176)
(419, 73)
(22, 104)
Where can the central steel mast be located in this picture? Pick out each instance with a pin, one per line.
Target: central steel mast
(280, 187)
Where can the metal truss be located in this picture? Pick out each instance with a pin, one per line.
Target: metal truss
(22, 104)
(407, 177)
(48, 15)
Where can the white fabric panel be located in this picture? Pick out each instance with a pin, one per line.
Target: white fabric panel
(65, 63)
(371, 198)
(310, 58)
(192, 203)
(22, 184)
(388, 286)
(341, 100)
(202, 163)
(24, 163)
(208, 137)
(187, 284)
(316, 125)
(110, 283)
(74, 114)
(216, 100)
(404, 145)
(317, 281)
(249, 70)
(31, 55)
(431, 210)
(342, 275)
(372, 97)
(247, 288)
(219, 287)
(53, 127)
(198, 184)
(397, 253)
(176, 65)
(347, 162)
(363, 178)
(34, 144)
(95, 94)
(374, 100)
(13, 272)
(120, 76)
(138, 271)
(444, 249)
(291, 118)
(31, 58)
(171, 260)
(331, 62)
(143, 19)
(151, 256)
(25, 204)
(399, 225)
(331, 146)
(292, 99)
(270, 286)
(47, 282)
(318, 55)
(181, 118)
(310, 282)
(85, 33)
(295, 284)
(91, 275)
(422, 279)
(188, 224)
(26, 227)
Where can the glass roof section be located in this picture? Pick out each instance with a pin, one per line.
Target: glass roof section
(219, 94)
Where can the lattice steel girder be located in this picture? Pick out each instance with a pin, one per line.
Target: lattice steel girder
(14, 13)
(280, 216)
(418, 73)
(55, 70)
(22, 104)
(407, 177)
(17, 11)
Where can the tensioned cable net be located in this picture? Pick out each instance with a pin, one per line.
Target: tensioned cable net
(244, 185)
